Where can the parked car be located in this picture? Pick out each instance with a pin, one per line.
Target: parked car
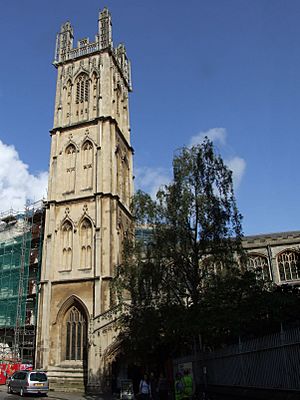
(28, 382)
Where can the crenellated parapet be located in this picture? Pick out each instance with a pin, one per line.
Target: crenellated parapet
(65, 51)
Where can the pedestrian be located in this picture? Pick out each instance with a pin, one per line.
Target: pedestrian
(178, 386)
(188, 390)
(145, 388)
(163, 387)
(153, 385)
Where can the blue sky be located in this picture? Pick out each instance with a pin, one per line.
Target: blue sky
(230, 68)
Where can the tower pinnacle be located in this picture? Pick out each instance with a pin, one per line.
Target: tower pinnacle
(105, 29)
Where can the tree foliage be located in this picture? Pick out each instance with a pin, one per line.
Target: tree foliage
(184, 269)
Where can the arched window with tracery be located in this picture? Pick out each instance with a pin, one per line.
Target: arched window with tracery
(211, 267)
(82, 87)
(75, 334)
(87, 163)
(288, 265)
(260, 265)
(86, 239)
(70, 158)
(67, 244)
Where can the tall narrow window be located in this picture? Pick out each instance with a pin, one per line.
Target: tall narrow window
(67, 102)
(259, 264)
(75, 339)
(67, 239)
(94, 93)
(119, 172)
(70, 168)
(86, 244)
(119, 94)
(125, 183)
(87, 162)
(288, 265)
(82, 88)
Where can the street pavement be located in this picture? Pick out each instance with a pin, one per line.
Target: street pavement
(53, 395)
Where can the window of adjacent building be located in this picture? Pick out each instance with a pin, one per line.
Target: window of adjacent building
(259, 263)
(86, 244)
(288, 265)
(67, 238)
(75, 326)
(211, 267)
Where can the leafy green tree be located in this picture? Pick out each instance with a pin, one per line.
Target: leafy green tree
(192, 229)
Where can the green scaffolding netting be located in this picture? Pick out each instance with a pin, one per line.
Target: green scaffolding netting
(13, 283)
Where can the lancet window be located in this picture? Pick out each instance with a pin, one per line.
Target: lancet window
(86, 240)
(94, 93)
(119, 95)
(119, 172)
(125, 193)
(70, 167)
(123, 178)
(75, 338)
(87, 162)
(288, 265)
(67, 102)
(259, 264)
(67, 243)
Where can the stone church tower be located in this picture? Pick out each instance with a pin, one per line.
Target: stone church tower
(90, 186)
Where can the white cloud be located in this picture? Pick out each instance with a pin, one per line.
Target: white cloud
(216, 135)
(237, 166)
(219, 136)
(17, 185)
(151, 179)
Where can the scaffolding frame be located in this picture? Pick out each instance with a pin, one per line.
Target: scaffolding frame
(21, 237)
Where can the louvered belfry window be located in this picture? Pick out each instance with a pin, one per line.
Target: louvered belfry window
(82, 89)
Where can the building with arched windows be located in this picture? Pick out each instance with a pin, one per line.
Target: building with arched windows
(275, 256)
(87, 210)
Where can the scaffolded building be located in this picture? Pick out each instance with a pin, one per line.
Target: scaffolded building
(21, 236)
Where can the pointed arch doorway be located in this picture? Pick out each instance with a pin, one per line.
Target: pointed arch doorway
(73, 324)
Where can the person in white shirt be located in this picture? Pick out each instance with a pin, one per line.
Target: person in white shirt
(145, 388)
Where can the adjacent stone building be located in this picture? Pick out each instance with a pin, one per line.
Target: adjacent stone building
(90, 185)
(275, 256)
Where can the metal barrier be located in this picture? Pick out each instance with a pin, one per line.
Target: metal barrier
(269, 362)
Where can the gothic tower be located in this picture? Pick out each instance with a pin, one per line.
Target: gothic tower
(90, 185)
